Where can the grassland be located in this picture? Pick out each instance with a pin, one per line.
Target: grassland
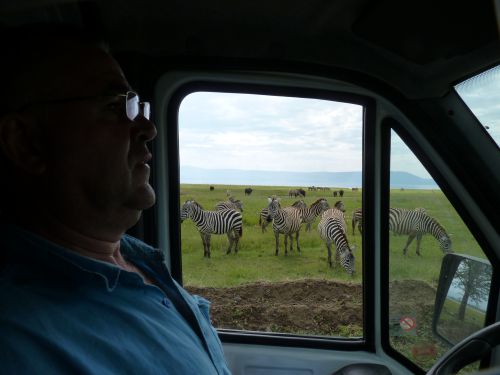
(257, 290)
(256, 261)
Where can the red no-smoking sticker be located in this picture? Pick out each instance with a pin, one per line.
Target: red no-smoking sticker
(407, 323)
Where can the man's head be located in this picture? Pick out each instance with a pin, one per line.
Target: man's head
(67, 145)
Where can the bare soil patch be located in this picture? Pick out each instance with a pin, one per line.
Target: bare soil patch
(306, 306)
(317, 307)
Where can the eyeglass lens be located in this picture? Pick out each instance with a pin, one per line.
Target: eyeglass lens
(134, 107)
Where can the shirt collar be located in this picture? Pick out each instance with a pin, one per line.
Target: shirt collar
(25, 247)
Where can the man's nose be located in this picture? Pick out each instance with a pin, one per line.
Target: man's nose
(144, 129)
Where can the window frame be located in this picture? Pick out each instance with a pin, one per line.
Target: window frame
(402, 132)
(365, 343)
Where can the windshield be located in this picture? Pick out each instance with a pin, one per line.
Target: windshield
(481, 93)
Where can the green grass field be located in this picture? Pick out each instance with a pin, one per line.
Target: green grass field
(256, 261)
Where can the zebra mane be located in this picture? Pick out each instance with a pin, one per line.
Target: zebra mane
(299, 203)
(196, 204)
(424, 213)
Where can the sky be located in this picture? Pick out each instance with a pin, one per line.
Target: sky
(482, 94)
(272, 133)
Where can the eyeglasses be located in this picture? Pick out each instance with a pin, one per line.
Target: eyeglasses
(133, 106)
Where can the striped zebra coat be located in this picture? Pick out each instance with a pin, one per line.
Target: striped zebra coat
(214, 222)
(231, 204)
(338, 211)
(309, 214)
(357, 219)
(286, 221)
(416, 223)
(264, 218)
(332, 229)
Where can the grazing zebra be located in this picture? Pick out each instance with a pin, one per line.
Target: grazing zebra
(338, 212)
(309, 214)
(214, 222)
(286, 221)
(231, 204)
(357, 218)
(416, 223)
(331, 228)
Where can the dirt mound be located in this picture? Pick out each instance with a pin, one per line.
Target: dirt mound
(316, 307)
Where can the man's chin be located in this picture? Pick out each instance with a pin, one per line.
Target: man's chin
(142, 199)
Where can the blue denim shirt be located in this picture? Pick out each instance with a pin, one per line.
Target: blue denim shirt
(61, 313)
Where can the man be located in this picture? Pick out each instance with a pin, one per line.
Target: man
(76, 294)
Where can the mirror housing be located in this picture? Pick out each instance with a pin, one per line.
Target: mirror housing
(461, 297)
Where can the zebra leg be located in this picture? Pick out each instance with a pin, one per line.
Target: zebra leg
(237, 240)
(277, 236)
(286, 244)
(419, 238)
(204, 242)
(329, 248)
(410, 239)
(297, 240)
(230, 238)
(308, 227)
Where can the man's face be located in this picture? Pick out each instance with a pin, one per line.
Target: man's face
(96, 156)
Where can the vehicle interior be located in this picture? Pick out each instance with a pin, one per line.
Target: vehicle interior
(419, 81)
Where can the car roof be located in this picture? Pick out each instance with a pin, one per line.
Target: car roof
(419, 49)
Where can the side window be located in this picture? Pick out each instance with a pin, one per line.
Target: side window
(268, 183)
(427, 315)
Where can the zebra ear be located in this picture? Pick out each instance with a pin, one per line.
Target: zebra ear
(269, 200)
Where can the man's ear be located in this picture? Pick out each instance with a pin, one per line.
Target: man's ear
(21, 142)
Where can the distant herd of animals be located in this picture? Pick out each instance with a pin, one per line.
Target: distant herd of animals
(300, 192)
(332, 228)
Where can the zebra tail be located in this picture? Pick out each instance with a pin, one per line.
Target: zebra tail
(241, 231)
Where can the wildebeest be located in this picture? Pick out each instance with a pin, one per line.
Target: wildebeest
(341, 193)
(335, 193)
(212, 188)
(302, 192)
(248, 191)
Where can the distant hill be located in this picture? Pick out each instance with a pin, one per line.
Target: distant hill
(195, 175)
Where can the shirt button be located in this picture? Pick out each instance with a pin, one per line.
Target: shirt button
(166, 302)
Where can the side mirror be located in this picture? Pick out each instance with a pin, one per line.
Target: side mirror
(461, 297)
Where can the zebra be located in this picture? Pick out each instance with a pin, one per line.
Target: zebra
(357, 218)
(331, 228)
(337, 211)
(309, 214)
(231, 204)
(416, 223)
(214, 222)
(286, 221)
(264, 218)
